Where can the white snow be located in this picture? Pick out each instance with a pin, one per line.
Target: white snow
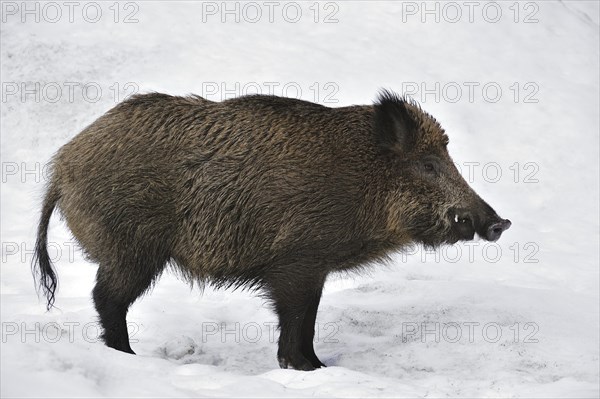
(528, 316)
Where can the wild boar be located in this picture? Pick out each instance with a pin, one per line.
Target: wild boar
(262, 192)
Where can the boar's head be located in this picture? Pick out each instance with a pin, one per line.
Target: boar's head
(428, 201)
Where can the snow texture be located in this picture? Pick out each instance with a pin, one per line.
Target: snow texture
(516, 319)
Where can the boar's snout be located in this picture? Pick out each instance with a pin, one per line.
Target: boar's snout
(495, 229)
(466, 223)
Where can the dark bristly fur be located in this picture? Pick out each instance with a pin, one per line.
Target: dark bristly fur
(260, 191)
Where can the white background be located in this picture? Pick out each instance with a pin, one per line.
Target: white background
(526, 309)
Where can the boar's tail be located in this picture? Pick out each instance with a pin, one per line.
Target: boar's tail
(43, 272)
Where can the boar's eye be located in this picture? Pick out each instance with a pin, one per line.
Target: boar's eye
(429, 167)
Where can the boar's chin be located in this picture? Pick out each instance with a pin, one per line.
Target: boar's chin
(445, 238)
(453, 239)
(440, 233)
(431, 244)
(432, 239)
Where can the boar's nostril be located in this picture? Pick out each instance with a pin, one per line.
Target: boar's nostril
(496, 229)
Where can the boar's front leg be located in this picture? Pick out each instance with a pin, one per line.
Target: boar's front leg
(296, 292)
(308, 329)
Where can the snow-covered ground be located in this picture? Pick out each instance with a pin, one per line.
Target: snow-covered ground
(518, 93)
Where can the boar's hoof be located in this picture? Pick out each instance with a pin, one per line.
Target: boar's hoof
(297, 362)
(314, 360)
(120, 343)
(121, 348)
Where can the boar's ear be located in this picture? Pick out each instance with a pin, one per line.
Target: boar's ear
(394, 126)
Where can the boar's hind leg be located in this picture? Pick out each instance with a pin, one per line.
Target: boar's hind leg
(296, 298)
(117, 287)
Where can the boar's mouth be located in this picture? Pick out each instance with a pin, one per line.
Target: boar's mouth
(462, 226)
